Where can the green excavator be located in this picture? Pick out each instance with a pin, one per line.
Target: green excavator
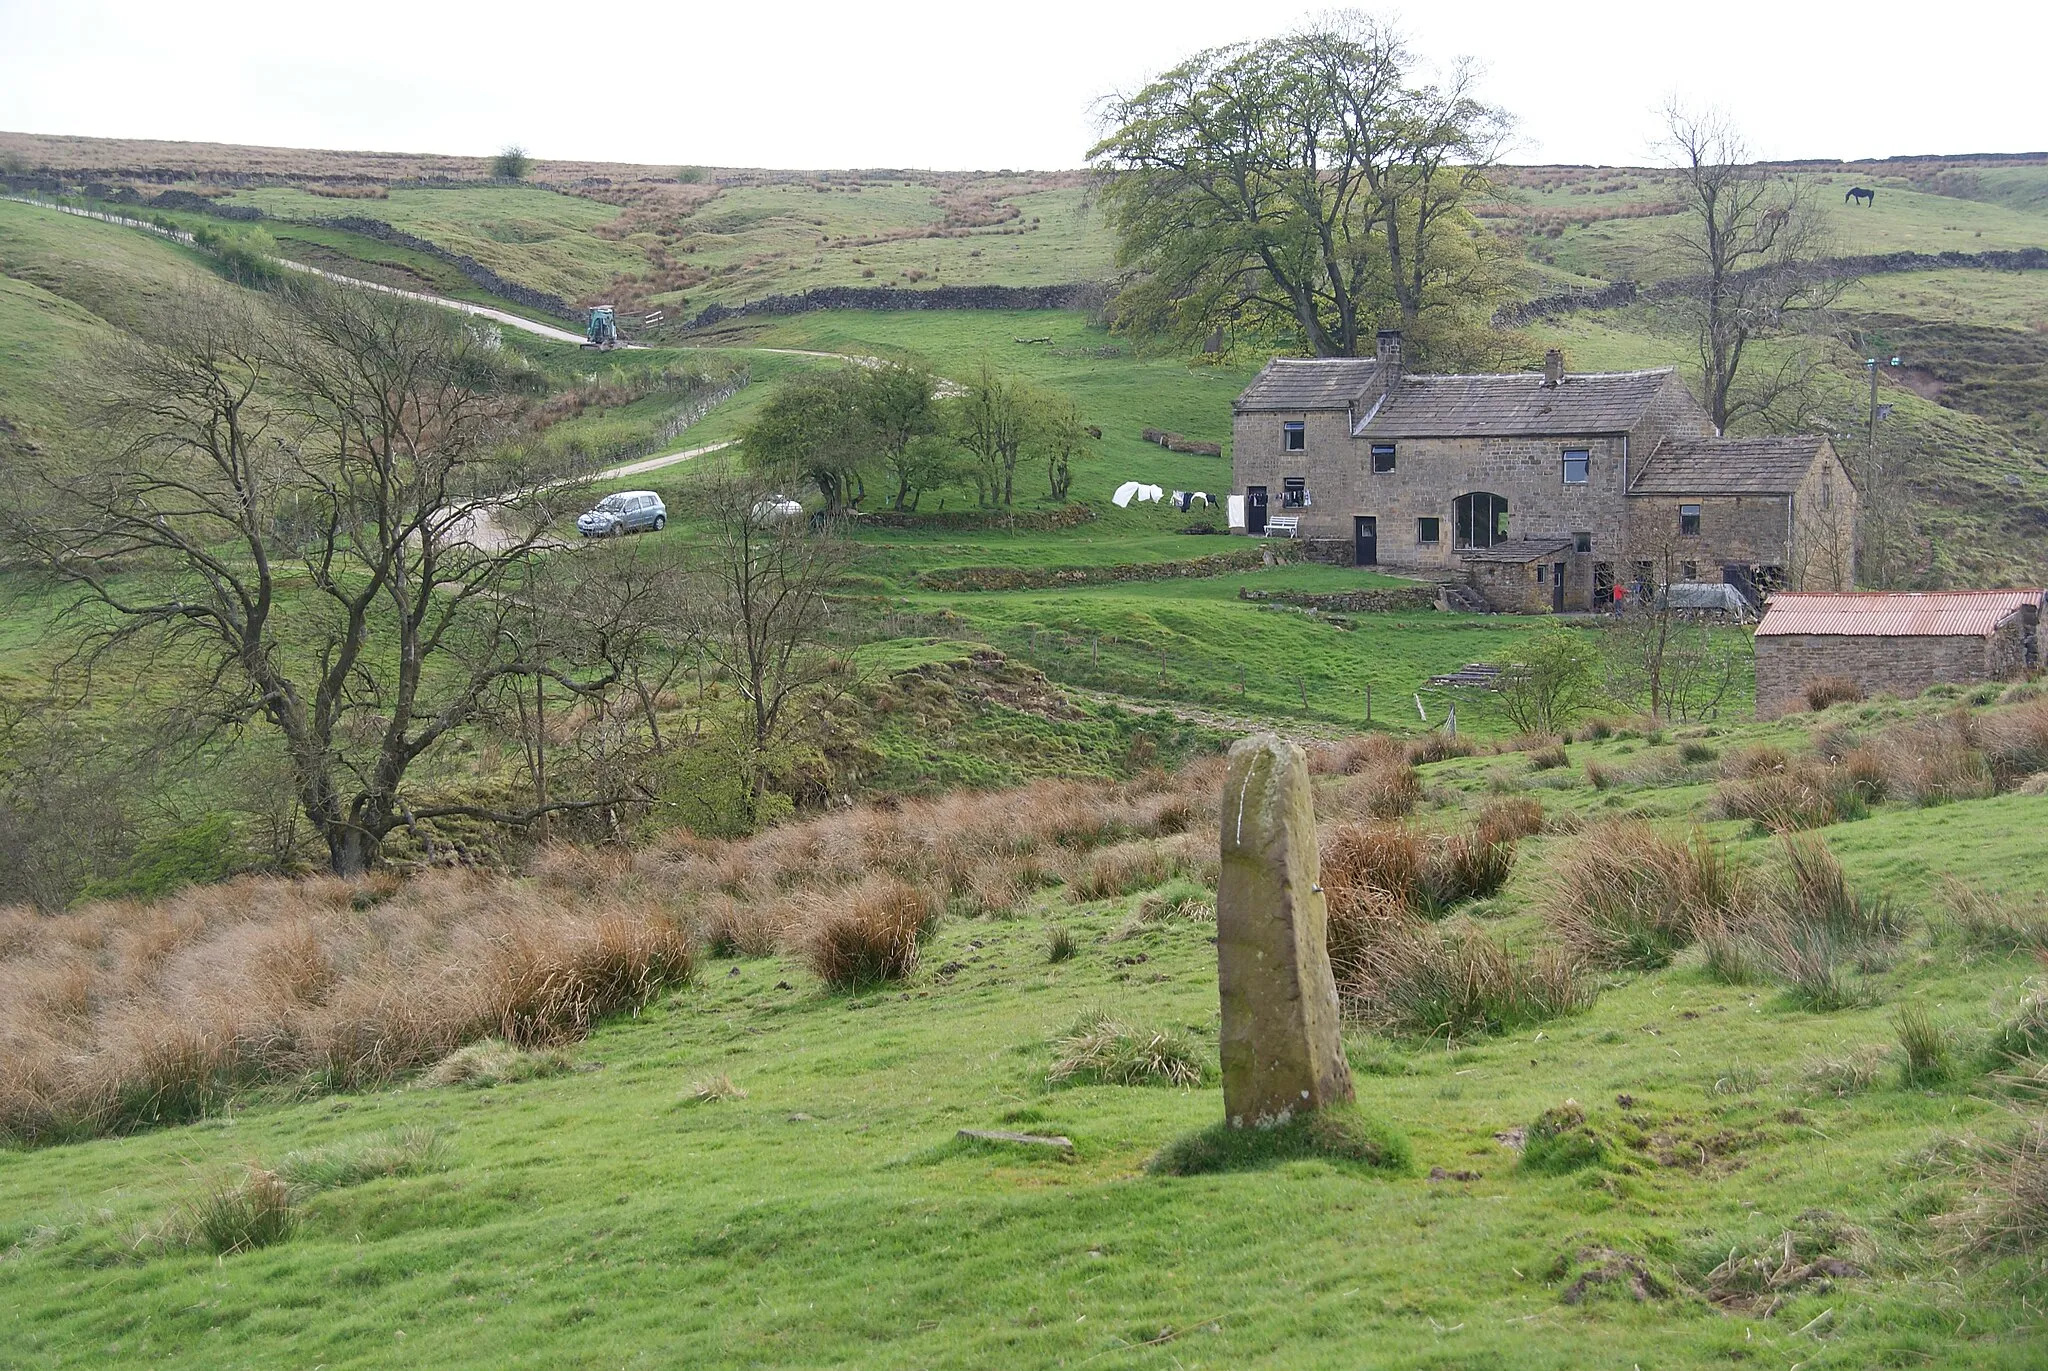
(602, 332)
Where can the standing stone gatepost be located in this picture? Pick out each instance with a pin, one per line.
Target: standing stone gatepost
(1283, 1053)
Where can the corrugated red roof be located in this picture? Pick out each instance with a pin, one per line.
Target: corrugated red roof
(1888, 614)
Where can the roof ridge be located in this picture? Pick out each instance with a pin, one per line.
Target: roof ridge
(1569, 376)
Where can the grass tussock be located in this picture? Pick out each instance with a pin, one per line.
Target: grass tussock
(136, 1015)
(1389, 791)
(254, 1210)
(403, 1151)
(1808, 931)
(1455, 982)
(1840, 1074)
(1624, 895)
(1340, 1135)
(1100, 1049)
(1984, 923)
(1926, 1048)
(1560, 1140)
(494, 1062)
(870, 934)
(1548, 758)
(1759, 1272)
(1832, 690)
(717, 1089)
(1061, 945)
(2006, 1213)
(2022, 1039)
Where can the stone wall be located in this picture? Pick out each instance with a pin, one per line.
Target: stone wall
(1901, 666)
(478, 274)
(1384, 600)
(1051, 578)
(1009, 521)
(1078, 295)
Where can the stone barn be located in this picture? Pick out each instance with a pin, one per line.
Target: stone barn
(1895, 643)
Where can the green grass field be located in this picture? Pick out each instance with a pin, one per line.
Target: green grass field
(828, 1216)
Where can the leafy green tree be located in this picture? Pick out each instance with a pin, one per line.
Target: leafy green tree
(1305, 186)
(816, 429)
(993, 420)
(511, 163)
(1550, 680)
(901, 411)
(1060, 438)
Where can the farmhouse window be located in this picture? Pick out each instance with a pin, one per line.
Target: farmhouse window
(1482, 518)
(1542, 574)
(1689, 571)
(1382, 458)
(1428, 532)
(1293, 436)
(1689, 520)
(1827, 490)
(1577, 462)
(1293, 492)
(1582, 542)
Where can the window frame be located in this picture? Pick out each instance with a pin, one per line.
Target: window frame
(1582, 542)
(1290, 487)
(1294, 435)
(1584, 457)
(1695, 514)
(1388, 451)
(1436, 530)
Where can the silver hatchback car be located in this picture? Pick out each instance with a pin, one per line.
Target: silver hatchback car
(629, 511)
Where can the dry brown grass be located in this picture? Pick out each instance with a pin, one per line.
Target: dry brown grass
(122, 1015)
(868, 932)
(1388, 790)
(1455, 982)
(1512, 816)
(1832, 690)
(1623, 894)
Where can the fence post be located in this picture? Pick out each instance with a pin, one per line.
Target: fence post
(1368, 701)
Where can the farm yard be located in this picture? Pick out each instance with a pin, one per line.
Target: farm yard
(794, 933)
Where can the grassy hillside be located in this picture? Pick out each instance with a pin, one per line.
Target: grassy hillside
(759, 1168)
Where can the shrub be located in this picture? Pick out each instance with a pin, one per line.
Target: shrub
(871, 935)
(1832, 690)
(1101, 1050)
(1455, 983)
(403, 1151)
(1625, 895)
(1560, 1141)
(1338, 1134)
(1549, 758)
(1600, 777)
(1696, 753)
(511, 163)
(1366, 859)
(1923, 1044)
(254, 1211)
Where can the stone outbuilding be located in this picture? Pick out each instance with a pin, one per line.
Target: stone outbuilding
(1544, 490)
(1894, 643)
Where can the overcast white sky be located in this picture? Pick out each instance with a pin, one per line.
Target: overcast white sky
(976, 84)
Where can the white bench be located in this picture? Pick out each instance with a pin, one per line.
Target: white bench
(1283, 526)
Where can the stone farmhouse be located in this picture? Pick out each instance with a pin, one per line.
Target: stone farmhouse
(1542, 491)
(1896, 643)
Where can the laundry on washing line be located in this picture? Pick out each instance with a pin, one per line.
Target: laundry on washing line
(1184, 500)
(1235, 504)
(1135, 490)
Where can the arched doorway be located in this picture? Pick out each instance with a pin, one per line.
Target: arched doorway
(1482, 519)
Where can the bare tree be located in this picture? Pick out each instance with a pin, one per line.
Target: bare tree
(1748, 260)
(761, 589)
(1660, 656)
(293, 514)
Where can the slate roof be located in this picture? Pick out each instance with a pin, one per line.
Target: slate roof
(1514, 405)
(1888, 614)
(1727, 466)
(1287, 383)
(1518, 550)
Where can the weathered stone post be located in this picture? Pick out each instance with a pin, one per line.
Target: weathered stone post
(1282, 1050)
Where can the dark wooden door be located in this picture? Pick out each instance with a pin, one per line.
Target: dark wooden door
(1365, 539)
(1557, 587)
(1255, 510)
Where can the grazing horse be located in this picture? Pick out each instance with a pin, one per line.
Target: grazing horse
(1867, 197)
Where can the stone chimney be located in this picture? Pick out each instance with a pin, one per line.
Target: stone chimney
(1553, 367)
(1389, 354)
